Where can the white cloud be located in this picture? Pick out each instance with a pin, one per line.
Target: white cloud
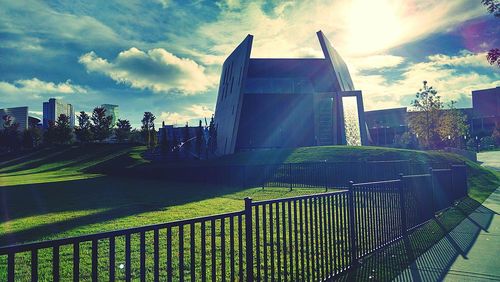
(35, 88)
(156, 69)
(376, 62)
(356, 27)
(454, 77)
(191, 114)
(19, 17)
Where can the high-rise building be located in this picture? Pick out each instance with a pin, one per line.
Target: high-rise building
(276, 103)
(17, 115)
(54, 108)
(111, 110)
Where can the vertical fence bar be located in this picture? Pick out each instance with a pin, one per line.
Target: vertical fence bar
(402, 188)
(264, 236)
(34, 265)
(192, 251)
(290, 238)
(223, 248)
(169, 254)
(181, 253)
(127, 258)
(112, 258)
(76, 261)
(231, 246)
(143, 256)
(55, 263)
(213, 249)
(352, 224)
(257, 241)
(240, 247)
(278, 246)
(203, 252)
(248, 238)
(156, 254)
(95, 254)
(11, 260)
(285, 261)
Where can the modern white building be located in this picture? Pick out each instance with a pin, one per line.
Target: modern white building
(112, 110)
(54, 108)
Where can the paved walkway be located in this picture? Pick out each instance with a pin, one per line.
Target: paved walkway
(471, 251)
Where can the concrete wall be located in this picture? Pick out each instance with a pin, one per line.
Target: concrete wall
(229, 99)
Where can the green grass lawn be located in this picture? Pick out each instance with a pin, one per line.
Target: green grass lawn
(58, 193)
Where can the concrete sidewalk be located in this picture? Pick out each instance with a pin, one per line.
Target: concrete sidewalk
(470, 252)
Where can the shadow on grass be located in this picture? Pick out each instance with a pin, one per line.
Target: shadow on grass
(429, 251)
(118, 197)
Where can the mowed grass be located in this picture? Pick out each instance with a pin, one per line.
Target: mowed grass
(48, 194)
(59, 193)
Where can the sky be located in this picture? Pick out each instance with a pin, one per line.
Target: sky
(165, 56)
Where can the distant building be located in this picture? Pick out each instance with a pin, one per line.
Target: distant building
(278, 103)
(384, 125)
(17, 115)
(112, 110)
(54, 108)
(485, 110)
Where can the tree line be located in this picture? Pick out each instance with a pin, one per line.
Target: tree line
(98, 128)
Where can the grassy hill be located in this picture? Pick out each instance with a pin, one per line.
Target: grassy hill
(62, 192)
(55, 193)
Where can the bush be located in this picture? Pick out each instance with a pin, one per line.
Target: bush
(487, 143)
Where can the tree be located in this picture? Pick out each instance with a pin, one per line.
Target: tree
(101, 124)
(10, 136)
(493, 7)
(175, 145)
(493, 57)
(164, 143)
(496, 132)
(424, 122)
(148, 128)
(212, 133)
(452, 126)
(136, 136)
(199, 139)
(64, 132)
(83, 131)
(122, 130)
(32, 137)
(186, 144)
(50, 134)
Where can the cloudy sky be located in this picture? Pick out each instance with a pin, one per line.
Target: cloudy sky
(165, 56)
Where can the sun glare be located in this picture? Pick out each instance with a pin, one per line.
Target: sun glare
(372, 26)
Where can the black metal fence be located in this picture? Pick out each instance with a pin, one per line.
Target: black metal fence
(296, 175)
(310, 238)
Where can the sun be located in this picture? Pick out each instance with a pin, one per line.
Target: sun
(373, 25)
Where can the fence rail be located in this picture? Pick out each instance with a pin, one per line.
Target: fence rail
(309, 238)
(299, 175)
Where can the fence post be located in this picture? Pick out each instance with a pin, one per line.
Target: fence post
(352, 224)
(249, 238)
(326, 175)
(433, 192)
(290, 178)
(402, 188)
